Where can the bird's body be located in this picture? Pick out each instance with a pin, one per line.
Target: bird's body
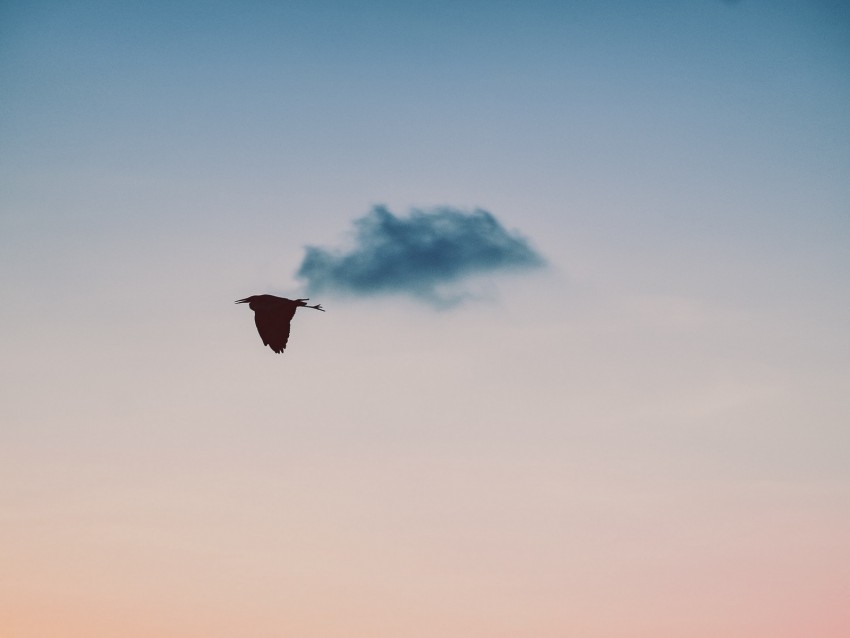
(272, 316)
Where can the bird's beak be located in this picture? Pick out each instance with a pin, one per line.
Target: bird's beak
(246, 300)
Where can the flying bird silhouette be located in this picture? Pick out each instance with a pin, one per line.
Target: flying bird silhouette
(272, 316)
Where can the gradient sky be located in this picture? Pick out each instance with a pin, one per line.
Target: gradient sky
(647, 439)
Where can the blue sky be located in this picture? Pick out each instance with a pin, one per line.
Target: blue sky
(654, 421)
(679, 117)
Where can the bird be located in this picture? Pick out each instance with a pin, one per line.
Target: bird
(272, 316)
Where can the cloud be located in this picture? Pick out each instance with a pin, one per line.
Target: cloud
(418, 255)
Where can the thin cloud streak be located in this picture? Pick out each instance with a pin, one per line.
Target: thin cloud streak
(417, 255)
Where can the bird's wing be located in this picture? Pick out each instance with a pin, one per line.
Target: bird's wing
(273, 326)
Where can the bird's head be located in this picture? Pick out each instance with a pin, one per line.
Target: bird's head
(251, 301)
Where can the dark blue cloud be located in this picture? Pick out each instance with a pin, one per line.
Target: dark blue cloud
(416, 255)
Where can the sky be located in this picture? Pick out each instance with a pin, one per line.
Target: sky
(642, 433)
